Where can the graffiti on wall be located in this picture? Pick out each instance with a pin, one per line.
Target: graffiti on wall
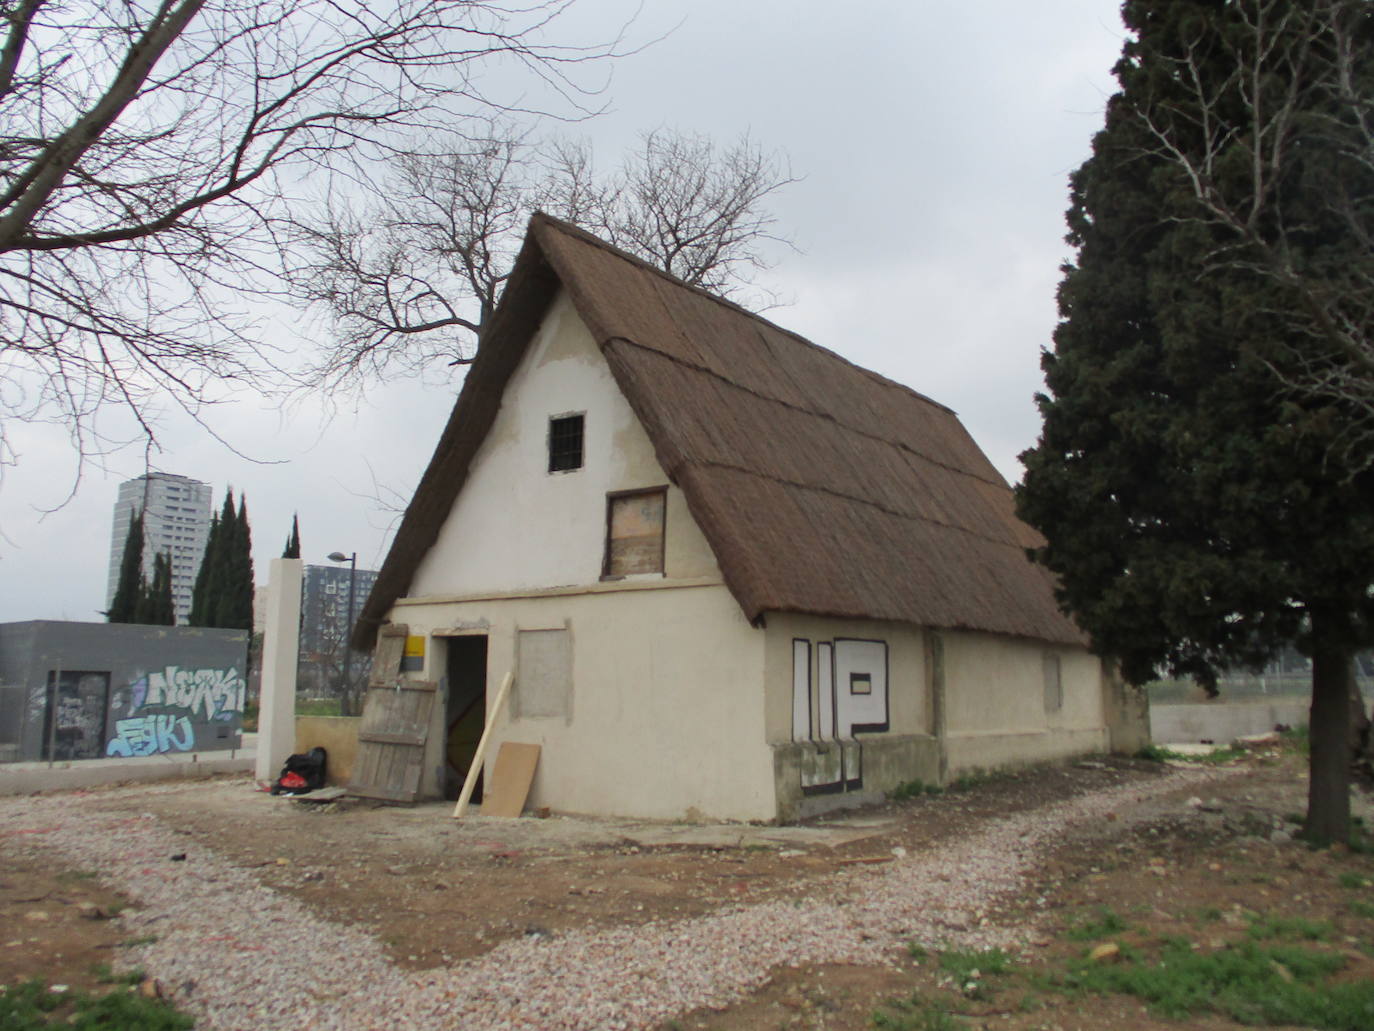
(843, 694)
(151, 735)
(74, 720)
(157, 712)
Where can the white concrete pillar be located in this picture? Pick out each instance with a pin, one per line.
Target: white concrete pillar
(280, 648)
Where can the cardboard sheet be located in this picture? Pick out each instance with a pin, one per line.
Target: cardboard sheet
(510, 779)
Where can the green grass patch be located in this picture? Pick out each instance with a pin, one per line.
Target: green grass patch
(1355, 881)
(1289, 928)
(1104, 924)
(913, 789)
(915, 1014)
(317, 707)
(966, 963)
(1160, 754)
(1298, 739)
(34, 1006)
(1362, 909)
(1251, 984)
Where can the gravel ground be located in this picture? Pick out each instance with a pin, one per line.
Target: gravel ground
(242, 957)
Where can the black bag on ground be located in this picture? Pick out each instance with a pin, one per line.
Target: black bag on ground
(301, 773)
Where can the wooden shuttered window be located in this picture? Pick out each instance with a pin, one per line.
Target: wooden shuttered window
(634, 533)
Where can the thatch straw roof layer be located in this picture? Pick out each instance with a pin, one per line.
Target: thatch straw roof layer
(822, 487)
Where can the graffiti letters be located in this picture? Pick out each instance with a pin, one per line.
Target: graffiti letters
(207, 694)
(151, 735)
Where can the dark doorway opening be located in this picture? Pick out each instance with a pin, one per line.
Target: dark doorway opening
(465, 710)
(75, 715)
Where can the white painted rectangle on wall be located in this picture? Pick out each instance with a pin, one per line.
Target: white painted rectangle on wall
(801, 689)
(860, 686)
(825, 681)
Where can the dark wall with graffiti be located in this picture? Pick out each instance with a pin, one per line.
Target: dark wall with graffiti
(98, 690)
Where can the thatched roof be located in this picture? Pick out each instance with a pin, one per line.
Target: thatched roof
(822, 488)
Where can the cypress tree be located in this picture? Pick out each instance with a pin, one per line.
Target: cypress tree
(1197, 514)
(155, 599)
(200, 604)
(129, 589)
(237, 613)
(293, 542)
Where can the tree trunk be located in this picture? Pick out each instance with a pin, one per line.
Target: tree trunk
(1328, 793)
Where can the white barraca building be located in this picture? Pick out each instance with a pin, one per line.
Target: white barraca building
(734, 575)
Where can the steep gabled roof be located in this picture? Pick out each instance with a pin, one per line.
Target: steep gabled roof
(822, 488)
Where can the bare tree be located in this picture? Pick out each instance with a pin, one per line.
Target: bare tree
(1279, 158)
(412, 281)
(148, 153)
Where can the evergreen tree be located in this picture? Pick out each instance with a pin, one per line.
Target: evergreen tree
(200, 604)
(128, 590)
(293, 542)
(155, 599)
(1197, 514)
(208, 602)
(237, 600)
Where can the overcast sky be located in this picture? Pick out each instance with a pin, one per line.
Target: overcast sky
(935, 140)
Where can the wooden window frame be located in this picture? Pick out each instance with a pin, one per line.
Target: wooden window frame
(581, 442)
(619, 495)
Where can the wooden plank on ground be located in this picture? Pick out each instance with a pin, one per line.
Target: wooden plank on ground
(510, 779)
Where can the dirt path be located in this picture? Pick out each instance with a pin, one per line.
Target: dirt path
(354, 917)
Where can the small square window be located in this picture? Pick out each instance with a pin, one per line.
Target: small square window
(565, 443)
(860, 683)
(634, 533)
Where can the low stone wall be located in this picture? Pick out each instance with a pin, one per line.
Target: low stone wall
(337, 735)
(1223, 721)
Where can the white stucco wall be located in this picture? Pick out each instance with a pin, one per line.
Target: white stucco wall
(995, 702)
(666, 716)
(516, 525)
(667, 713)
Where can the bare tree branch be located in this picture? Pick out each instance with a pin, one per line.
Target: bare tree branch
(152, 153)
(412, 281)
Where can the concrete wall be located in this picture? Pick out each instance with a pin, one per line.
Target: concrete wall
(665, 717)
(338, 736)
(126, 689)
(1223, 722)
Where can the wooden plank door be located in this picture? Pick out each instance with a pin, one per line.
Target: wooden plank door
(394, 726)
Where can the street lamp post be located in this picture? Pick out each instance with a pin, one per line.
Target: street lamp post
(345, 689)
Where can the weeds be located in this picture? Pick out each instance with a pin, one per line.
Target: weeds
(1250, 984)
(34, 1006)
(1106, 923)
(1291, 928)
(915, 1014)
(913, 789)
(1353, 880)
(966, 964)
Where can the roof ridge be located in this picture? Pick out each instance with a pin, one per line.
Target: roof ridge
(812, 412)
(576, 231)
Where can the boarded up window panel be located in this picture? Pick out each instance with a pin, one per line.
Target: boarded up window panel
(543, 685)
(1054, 684)
(634, 538)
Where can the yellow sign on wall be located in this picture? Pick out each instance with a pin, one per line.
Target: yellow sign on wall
(413, 659)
